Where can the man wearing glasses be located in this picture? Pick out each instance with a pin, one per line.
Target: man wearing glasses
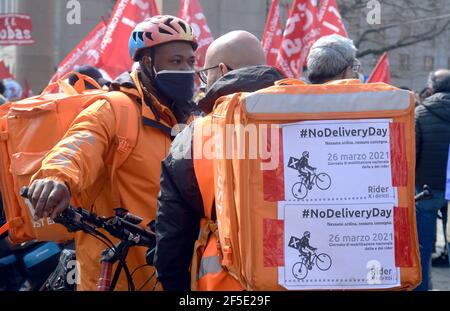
(233, 50)
(332, 58)
(234, 63)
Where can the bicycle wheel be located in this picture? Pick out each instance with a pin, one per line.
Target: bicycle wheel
(299, 270)
(299, 190)
(323, 181)
(323, 262)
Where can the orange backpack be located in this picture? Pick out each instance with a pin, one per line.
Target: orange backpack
(349, 224)
(30, 128)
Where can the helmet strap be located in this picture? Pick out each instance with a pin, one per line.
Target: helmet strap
(146, 72)
(151, 74)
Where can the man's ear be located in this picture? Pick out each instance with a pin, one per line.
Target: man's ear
(223, 68)
(147, 60)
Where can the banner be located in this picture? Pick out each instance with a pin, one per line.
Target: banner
(114, 58)
(339, 206)
(330, 19)
(4, 72)
(382, 71)
(153, 8)
(87, 52)
(15, 29)
(27, 91)
(272, 35)
(302, 30)
(192, 12)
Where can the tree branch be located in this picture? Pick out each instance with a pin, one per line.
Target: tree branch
(426, 36)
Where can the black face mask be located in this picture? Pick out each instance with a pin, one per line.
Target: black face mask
(175, 84)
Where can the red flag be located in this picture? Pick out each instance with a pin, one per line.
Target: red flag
(273, 35)
(15, 29)
(382, 71)
(87, 52)
(153, 8)
(4, 72)
(114, 58)
(27, 92)
(330, 20)
(302, 30)
(192, 12)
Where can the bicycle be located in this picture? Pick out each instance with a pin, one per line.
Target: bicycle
(300, 269)
(123, 226)
(321, 180)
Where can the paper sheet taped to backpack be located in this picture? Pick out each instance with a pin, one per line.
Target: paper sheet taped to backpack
(339, 205)
(338, 161)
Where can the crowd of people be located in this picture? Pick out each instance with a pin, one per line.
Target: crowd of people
(162, 86)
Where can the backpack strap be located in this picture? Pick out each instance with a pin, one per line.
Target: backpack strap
(204, 167)
(158, 125)
(127, 130)
(4, 228)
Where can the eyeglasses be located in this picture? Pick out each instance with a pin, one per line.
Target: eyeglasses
(203, 74)
(355, 67)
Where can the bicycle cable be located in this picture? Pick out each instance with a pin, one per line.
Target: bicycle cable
(97, 234)
(128, 275)
(146, 282)
(154, 286)
(140, 267)
(102, 240)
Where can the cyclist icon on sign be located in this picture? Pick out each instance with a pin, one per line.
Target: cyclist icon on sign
(305, 249)
(308, 176)
(304, 169)
(308, 257)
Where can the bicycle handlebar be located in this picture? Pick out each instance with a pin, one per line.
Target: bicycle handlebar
(124, 225)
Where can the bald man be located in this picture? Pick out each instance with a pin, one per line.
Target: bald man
(234, 63)
(234, 50)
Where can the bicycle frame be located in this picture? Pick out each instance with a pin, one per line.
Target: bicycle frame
(109, 258)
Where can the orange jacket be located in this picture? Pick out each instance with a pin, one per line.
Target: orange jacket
(79, 161)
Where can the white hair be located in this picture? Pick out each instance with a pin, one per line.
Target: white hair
(329, 56)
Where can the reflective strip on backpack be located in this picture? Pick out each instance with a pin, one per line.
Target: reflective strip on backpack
(318, 103)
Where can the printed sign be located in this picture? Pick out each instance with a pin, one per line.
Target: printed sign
(15, 29)
(338, 247)
(338, 161)
(339, 206)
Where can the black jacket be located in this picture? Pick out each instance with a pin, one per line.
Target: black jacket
(432, 141)
(180, 205)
